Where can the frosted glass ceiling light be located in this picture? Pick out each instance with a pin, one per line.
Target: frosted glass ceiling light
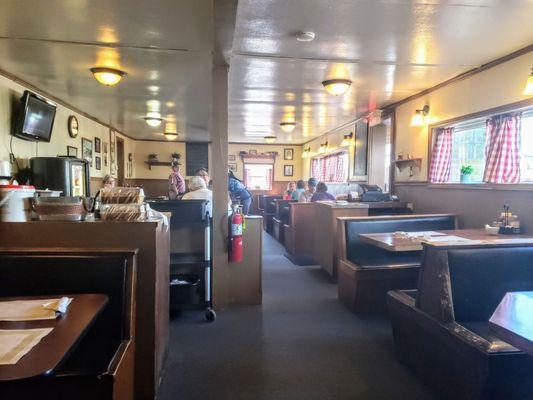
(337, 87)
(287, 126)
(270, 139)
(107, 76)
(153, 120)
(171, 135)
(528, 90)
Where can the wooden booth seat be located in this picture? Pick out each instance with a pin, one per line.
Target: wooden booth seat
(299, 234)
(270, 212)
(366, 272)
(281, 218)
(101, 365)
(441, 330)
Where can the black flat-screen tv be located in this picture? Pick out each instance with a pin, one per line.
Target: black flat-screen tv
(36, 118)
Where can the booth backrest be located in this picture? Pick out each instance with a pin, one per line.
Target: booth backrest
(302, 224)
(479, 278)
(52, 273)
(360, 252)
(282, 210)
(270, 204)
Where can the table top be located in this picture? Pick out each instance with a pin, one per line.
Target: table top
(68, 330)
(390, 242)
(513, 320)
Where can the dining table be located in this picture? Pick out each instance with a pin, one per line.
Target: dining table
(68, 330)
(512, 321)
(413, 241)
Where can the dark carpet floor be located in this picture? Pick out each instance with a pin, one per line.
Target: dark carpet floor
(302, 343)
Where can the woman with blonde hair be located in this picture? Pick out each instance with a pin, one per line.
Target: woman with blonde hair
(291, 188)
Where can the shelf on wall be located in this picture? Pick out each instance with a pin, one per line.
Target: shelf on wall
(158, 164)
(408, 163)
(259, 156)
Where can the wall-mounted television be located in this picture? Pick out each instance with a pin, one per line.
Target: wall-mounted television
(36, 118)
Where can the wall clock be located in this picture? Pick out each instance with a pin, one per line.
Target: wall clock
(73, 126)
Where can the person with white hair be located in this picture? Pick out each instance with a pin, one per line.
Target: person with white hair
(198, 191)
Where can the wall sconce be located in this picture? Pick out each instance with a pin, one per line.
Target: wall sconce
(420, 117)
(306, 152)
(347, 140)
(323, 148)
(528, 90)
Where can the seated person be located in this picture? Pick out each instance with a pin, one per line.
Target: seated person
(291, 188)
(300, 188)
(305, 196)
(108, 182)
(198, 191)
(322, 194)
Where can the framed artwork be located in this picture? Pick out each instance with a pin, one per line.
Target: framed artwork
(72, 151)
(232, 167)
(112, 141)
(97, 145)
(231, 157)
(288, 170)
(105, 159)
(98, 163)
(288, 154)
(252, 152)
(105, 147)
(87, 150)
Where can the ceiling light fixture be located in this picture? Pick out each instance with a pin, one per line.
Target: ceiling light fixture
(305, 36)
(420, 117)
(287, 126)
(153, 121)
(170, 135)
(528, 90)
(337, 87)
(347, 140)
(270, 139)
(306, 152)
(323, 148)
(107, 76)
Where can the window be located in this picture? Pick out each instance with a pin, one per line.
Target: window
(258, 176)
(470, 143)
(468, 148)
(332, 168)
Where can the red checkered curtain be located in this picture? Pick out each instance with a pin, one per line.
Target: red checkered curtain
(441, 157)
(330, 168)
(502, 149)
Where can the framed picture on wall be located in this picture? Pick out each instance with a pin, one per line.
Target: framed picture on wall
(98, 163)
(87, 150)
(97, 145)
(105, 147)
(288, 154)
(288, 170)
(105, 159)
(232, 167)
(231, 157)
(72, 151)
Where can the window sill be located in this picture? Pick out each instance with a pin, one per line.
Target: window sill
(482, 186)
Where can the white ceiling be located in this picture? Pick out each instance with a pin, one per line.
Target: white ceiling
(165, 46)
(391, 49)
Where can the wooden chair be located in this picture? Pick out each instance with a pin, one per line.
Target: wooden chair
(102, 365)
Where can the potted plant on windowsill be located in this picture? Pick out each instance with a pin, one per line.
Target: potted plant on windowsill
(466, 173)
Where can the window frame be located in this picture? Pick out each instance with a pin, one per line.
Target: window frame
(432, 128)
(258, 163)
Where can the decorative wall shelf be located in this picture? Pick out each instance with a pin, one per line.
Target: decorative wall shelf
(408, 163)
(259, 156)
(158, 164)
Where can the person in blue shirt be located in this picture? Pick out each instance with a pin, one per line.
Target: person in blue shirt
(322, 194)
(238, 191)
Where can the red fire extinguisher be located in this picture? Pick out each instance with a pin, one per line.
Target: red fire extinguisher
(235, 248)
